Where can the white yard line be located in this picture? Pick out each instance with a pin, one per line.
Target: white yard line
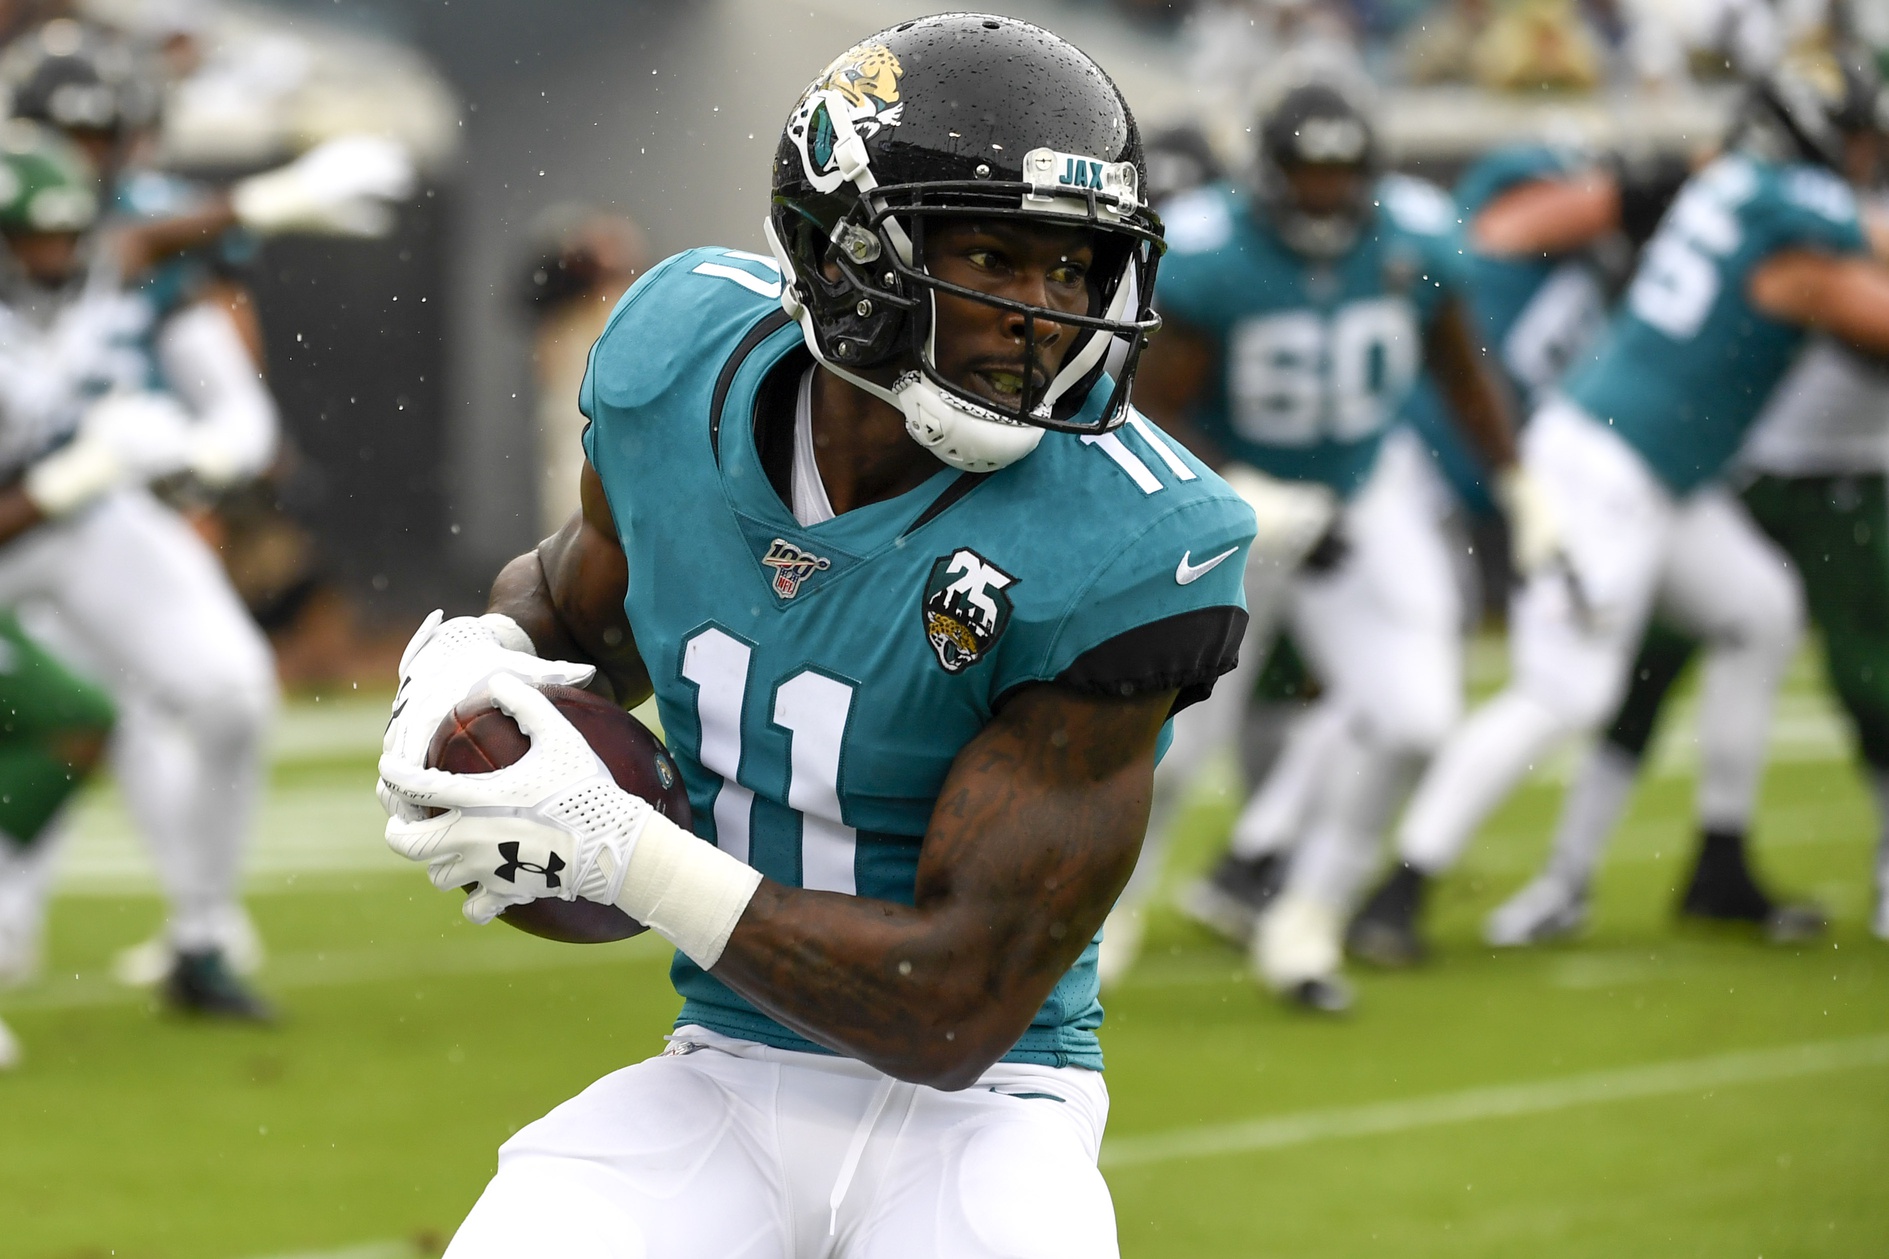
(1695, 1076)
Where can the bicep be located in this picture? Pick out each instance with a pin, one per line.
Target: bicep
(1845, 296)
(1040, 821)
(572, 588)
(1547, 216)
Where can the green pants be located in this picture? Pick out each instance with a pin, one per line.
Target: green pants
(52, 731)
(1836, 531)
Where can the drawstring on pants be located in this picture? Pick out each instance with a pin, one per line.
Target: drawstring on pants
(881, 1094)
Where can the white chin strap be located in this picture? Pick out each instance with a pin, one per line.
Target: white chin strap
(964, 436)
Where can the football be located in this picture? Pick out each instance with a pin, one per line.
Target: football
(477, 738)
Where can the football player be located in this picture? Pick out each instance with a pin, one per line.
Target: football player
(1814, 466)
(181, 246)
(1298, 319)
(1761, 247)
(135, 595)
(916, 593)
(1543, 228)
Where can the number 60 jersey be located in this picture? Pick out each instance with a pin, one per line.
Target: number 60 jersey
(1317, 356)
(815, 683)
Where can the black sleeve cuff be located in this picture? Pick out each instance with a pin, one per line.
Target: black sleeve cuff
(1183, 653)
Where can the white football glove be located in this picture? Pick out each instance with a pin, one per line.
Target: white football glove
(552, 824)
(1291, 515)
(1534, 525)
(124, 438)
(341, 187)
(215, 461)
(444, 663)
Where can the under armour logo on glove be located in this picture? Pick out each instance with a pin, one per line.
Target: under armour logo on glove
(509, 871)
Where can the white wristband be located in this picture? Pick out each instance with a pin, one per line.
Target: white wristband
(685, 889)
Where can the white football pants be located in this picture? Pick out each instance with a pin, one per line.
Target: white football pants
(1381, 629)
(133, 597)
(1724, 582)
(1573, 632)
(728, 1148)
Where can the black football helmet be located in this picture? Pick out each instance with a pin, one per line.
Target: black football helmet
(78, 77)
(961, 115)
(1316, 124)
(1802, 109)
(1180, 159)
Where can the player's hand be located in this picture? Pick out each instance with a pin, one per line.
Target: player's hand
(1292, 516)
(124, 438)
(1534, 525)
(444, 663)
(552, 824)
(342, 187)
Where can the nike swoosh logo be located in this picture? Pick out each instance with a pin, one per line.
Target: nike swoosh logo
(1186, 573)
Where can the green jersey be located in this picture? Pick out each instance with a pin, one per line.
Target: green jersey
(1688, 363)
(816, 682)
(1317, 355)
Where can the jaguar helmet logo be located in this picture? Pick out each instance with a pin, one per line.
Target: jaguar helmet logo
(966, 608)
(864, 80)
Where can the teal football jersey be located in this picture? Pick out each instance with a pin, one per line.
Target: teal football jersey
(1688, 362)
(1316, 357)
(816, 683)
(1538, 314)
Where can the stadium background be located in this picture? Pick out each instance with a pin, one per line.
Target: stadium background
(1641, 1093)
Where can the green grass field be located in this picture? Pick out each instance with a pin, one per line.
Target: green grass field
(1648, 1092)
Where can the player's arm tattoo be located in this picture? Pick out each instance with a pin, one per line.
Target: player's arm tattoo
(1034, 834)
(1476, 396)
(568, 596)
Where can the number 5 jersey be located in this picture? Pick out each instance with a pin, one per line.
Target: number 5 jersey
(1688, 363)
(815, 683)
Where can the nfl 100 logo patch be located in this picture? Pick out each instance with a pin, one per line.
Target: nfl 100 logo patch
(965, 607)
(791, 566)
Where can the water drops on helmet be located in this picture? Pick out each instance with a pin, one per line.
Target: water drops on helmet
(962, 116)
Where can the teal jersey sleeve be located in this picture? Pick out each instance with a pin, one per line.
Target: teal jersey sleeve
(1194, 286)
(1505, 168)
(1429, 228)
(1176, 567)
(1688, 362)
(1537, 314)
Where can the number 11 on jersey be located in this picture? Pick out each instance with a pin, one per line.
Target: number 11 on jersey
(813, 708)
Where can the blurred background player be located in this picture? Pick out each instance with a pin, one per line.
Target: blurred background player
(102, 391)
(582, 261)
(177, 245)
(1761, 246)
(1813, 476)
(1547, 231)
(1297, 319)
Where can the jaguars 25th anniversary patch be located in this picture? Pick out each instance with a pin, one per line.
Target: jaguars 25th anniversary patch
(966, 608)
